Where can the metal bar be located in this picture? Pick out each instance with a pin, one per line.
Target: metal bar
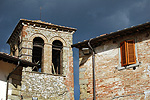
(93, 66)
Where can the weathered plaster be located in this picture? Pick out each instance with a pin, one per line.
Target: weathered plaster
(112, 83)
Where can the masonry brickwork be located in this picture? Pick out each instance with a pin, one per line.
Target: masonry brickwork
(44, 85)
(113, 83)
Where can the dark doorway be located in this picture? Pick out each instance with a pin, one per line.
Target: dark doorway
(57, 50)
(37, 53)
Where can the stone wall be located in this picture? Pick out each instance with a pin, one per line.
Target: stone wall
(29, 32)
(14, 92)
(111, 82)
(45, 85)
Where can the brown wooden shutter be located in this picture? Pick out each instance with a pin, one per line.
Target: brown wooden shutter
(131, 52)
(123, 53)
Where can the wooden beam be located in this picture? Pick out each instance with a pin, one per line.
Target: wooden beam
(16, 77)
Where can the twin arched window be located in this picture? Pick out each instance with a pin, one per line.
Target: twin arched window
(57, 55)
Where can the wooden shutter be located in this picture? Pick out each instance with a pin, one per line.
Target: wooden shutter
(131, 52)
(123, 53)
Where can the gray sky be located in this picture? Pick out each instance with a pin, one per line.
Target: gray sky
(91, 18)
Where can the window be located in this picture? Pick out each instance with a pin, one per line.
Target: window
(57, 51)
(127, 49)
(37, 53)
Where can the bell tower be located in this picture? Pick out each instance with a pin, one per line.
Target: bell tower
(49, 46)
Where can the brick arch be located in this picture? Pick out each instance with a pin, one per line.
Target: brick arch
(58, 38)
(38, 35)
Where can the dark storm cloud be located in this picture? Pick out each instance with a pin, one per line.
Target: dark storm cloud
(90, 17)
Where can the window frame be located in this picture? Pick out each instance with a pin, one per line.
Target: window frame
(131, 65)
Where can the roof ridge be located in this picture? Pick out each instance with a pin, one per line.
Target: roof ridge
(47, 23)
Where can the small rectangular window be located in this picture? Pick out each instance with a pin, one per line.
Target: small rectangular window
(127, 49)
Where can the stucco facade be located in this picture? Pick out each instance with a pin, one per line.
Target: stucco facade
(44, 84)
(113, 81)
(5, 69)
(10, 76)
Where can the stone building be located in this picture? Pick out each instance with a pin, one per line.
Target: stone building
(122, 65)
(49, 46)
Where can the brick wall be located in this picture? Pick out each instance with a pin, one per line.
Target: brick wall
(112, 83)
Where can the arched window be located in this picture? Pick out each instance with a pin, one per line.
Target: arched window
(57, 52)
(37, 52)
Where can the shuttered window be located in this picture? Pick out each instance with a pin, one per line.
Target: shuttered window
(123, 53)
(127, 49)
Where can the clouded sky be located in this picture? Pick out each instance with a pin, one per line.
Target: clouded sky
(91, 18)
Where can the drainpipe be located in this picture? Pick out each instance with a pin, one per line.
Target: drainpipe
(93, 66)
(9, 77)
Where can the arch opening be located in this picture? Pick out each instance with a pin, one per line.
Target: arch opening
(57, 57)
(37, 53)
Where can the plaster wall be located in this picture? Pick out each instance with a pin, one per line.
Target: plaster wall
(5, 69)
(3, 90)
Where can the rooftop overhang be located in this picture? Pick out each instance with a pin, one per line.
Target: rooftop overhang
(38, 23)
(105, 37)
(14, 60)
